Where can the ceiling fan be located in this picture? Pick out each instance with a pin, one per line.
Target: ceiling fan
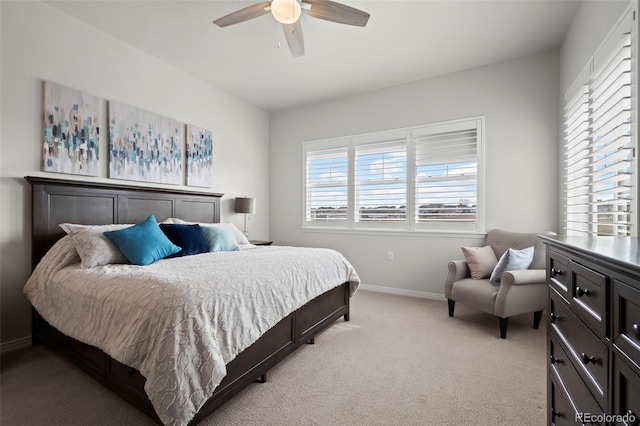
(288, 12)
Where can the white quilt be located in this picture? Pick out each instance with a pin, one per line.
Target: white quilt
(179, 321)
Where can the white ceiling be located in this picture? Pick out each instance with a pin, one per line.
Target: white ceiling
(404, 41)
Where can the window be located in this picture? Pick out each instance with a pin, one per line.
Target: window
(446, 164)
(599, 159)
(327, 185)
(419, 178)
(381, 179)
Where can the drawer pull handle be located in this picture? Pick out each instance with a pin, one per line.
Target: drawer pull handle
(554, 317)
(555, 360)
(555, 272)
(582, 292)
(555, 414)
(636, 330)
(586, 359)
(131, 372)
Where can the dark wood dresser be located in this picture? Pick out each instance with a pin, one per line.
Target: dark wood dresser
(593, 343)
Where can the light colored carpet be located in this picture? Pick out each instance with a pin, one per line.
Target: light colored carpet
(399, 361)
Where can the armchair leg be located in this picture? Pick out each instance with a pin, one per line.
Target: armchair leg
(537, 316)
(504, 322)
(452, 305)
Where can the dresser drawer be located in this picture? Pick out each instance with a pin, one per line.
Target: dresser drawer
(558, 266)
(125, 375)
(626, 395)
(589, 297)
(626, 320)
(561, 410)
(580, 397)
(589, 355)
(90, 356)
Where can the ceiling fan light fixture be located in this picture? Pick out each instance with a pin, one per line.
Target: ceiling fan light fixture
(286, 11)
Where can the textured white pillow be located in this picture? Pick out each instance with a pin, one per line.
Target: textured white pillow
(93, 247)
(173, 220)
(240, 237)
(512, 260)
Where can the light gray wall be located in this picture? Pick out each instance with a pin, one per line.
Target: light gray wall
(40, 43)
(520, 102)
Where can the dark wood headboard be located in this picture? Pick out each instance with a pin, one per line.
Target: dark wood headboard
(56, 201)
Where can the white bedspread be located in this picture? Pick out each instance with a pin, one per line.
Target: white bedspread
(179, 321)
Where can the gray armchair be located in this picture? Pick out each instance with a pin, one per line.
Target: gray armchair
(519, 292)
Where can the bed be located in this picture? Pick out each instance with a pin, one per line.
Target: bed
(287, 321)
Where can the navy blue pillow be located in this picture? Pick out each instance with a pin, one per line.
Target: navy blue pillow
(189, 237)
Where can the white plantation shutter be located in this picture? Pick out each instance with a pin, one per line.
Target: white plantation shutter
(577, 162)
(446, 172)
(599, 147)
(381, 181)
(410, 179)
(327, 185)
(610, 131)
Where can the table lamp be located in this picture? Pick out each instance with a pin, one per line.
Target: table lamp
(245, 205)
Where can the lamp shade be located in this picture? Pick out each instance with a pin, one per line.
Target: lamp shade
(245, 205)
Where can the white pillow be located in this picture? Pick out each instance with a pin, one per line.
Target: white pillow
(240, 237)
(512, 260)
(172, 221)
(93, 247)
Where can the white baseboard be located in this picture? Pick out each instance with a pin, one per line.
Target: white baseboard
(14, 345)
(403, 292)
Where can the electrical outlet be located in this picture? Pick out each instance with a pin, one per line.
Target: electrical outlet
(389, 255)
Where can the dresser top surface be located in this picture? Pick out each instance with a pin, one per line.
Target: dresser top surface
(616, 251)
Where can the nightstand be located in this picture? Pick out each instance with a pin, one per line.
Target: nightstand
(260, 243)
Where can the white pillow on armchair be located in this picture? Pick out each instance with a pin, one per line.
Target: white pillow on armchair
(512, 260)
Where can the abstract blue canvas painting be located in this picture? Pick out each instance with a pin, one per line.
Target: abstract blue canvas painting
(144, 146)
(71, 131)
(199, 157)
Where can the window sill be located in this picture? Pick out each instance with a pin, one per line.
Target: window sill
(397, 232)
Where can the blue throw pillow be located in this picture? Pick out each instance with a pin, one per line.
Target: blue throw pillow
(189, 237)
(220, 239)
(143, 243)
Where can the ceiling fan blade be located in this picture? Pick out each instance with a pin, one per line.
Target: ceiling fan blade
(337, 12)
(295, 40)
(245, 14)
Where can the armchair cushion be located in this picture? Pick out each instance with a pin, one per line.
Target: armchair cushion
(525, 276)
(478, 294)
(481, 260)
(512, 260)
